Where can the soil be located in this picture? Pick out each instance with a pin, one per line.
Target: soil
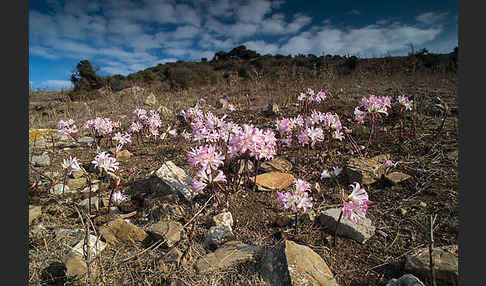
(400, 213)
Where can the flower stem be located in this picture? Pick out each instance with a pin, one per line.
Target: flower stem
(336, 229)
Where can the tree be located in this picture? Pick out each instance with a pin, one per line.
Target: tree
(85, 77)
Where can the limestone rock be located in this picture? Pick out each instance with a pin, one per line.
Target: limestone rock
(223, 219)
(405, 280)
(289, 263)
(364, 170)
(77, 184)
(95, 203)
(76, 267)
(360, 232)
(124, 156)
(151, 99)
(167, 230)
(176, 179)
(445, 263)
(119, 230)
(57, 189)
(273, 181)
(96, 245)
(34, 212)
(397, 177)
(41, 160)
(228, 255)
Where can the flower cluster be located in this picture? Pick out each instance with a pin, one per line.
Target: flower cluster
(105, 162)
(297, 200)
(118, 197)
(209, 160)
(329, 174)
(122, 139)
(67, 127)
(101, 126)
(148, 123)
(373, 105)
(253, 142)
(355, 205)
(307, 128)
(310, 96)
(405, 102)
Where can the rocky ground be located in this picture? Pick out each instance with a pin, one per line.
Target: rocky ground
(162, 235)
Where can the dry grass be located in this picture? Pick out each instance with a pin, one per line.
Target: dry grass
(435, 181)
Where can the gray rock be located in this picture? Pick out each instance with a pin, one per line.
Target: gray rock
(64, 232)
(95, 203)
(223, 219)
(34, 212)
(445, 263)
(289, 263)
(397, 177)
(228, 255)
(170, 231)
(41, 160)
(436, 107)
(218, 235)
(364, 170)
(96, 245)
(57, 189)
(176, 179)
(277, 164)
(405, 280)
(360, 232)
(151, 99)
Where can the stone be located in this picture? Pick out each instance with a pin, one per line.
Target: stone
(96, 245)
(397, 177)
(289, 263)
(77, 174)
(151, 99)
(277, 164)
(57, 189)
(77, 184)
(176, 179)
(223, 219)
(76, 267)
(422, 204)
(124, 156)
(95, 203)
(94, 187)
(222, 103)
(360, 232)
(120, 231)
(165, 112)
(167, 230)
(41, 160)
(217, 235)
(364, 170)
(445, 263)
(64, 232)
(34, 212)
(436, 107)
(228, 255)
(273, 181)
(405, 280)
(272, 110)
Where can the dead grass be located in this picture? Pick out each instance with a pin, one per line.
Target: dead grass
(435, 182)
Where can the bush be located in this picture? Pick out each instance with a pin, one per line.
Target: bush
(85, 77)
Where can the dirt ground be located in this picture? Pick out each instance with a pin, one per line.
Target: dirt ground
(401, 213)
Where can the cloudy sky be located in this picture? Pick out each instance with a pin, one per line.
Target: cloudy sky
(124, 36)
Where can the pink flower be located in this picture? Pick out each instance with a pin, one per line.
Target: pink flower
(117, 197)
(135, 127)
(231, 107)
(104, 161)
(408, 104)
(71, 164)
(356, 204)
(301, 185)
(122, 139)
(389, 163)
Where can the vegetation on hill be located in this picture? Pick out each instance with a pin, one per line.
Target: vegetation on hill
(248, 64)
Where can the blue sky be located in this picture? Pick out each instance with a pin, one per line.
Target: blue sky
(124, 36)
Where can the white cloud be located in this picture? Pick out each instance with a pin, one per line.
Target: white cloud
(261, 47)
(354, 12)
(431, 17)
(56, 84)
